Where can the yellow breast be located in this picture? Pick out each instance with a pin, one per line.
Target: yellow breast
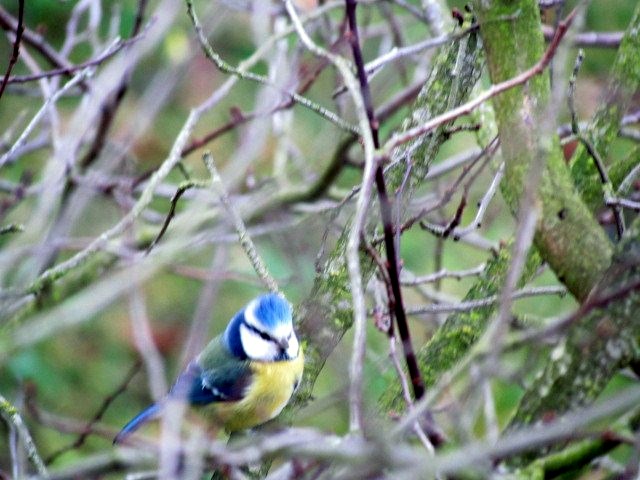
(271, 388)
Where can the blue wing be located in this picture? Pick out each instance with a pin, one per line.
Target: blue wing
(222, 383)
(217, 376)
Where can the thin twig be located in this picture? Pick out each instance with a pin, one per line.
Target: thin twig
(422, 436)
(227, 68)
(239, 118)
(70, 70)
(106, 403)
(395, 303)
(439, 275)
(144, 200)
(468, 165)
(16, 46)
(353, 242)
(182, 188)
(397, 53)
(36, 41)
(624, 203)
(597, 160)
(484, 302)
(452, 229)
(11, 415)
(245, 240)
(77, 78)
(111, 104)
(589, 39)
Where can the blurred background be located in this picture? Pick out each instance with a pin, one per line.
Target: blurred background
(62, 380)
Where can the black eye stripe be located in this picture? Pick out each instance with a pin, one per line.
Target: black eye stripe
(263, 335)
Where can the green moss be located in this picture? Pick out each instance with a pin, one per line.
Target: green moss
(455, 71)
(327, 314)
(566, 228)
(7, 408)
(622, 167)
(603, 129)
(597, 346)
(460, 331)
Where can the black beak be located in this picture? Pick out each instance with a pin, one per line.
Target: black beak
(283, 343)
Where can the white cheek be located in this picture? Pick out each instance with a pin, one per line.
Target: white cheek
(294, 346)
(256, 347)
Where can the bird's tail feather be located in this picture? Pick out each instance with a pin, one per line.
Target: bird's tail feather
(143, 417)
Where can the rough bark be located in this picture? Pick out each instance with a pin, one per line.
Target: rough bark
(566, 229)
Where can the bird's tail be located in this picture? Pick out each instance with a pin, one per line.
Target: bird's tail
(143, 417)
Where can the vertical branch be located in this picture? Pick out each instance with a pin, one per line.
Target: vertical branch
(565, 228)
(395, 303)
(604, 126)
(108, 110)
(352, 248)
(144, 342)
(16, 46)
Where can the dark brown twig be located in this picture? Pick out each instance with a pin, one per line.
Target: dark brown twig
(172, 210)
(595, 301)
(455, 221)
(37, 42)
(447, 195)
(70, 70)
(16, 46)
(395, 301)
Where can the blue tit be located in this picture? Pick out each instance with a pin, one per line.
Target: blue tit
(243, 377)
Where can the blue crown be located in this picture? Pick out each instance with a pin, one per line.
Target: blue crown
(272, 310)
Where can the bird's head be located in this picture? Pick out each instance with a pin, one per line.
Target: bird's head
(263, 330)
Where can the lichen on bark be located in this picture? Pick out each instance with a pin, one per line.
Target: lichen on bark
(327, 313)
(603, 128)
(513, 42)
(460, 331)
(598, 344)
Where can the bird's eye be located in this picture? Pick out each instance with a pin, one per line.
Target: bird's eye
(264, 336)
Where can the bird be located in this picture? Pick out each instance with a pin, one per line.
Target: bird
(243, 377)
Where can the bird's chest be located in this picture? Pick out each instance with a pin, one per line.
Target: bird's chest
(271, 387)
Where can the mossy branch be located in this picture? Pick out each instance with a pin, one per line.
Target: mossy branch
(599, 343)
(327, 314)
(566, 228)
(605, 125)
(460, 331)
